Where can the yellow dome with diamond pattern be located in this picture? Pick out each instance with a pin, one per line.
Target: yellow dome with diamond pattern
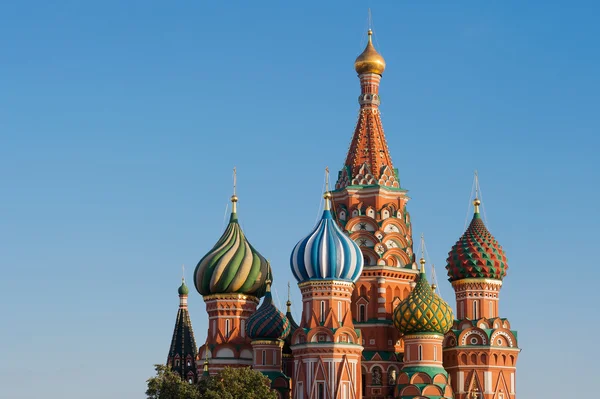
(423, 311)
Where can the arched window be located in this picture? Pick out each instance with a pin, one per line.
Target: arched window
(227, 327)
(420, 352)
(475, 310)
(362, 313)
(322, 311)
(189, 363)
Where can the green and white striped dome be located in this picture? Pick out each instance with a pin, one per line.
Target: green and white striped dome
(232, 265)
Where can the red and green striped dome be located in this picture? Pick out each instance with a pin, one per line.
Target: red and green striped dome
(476, 254)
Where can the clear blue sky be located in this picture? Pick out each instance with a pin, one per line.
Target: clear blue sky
(120, 123)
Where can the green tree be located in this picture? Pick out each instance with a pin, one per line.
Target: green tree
(237, 383)
(168, 384)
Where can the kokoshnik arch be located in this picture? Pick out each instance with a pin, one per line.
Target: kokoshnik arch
(372, 326)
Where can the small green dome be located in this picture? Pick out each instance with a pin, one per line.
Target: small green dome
(423, 311)
(183, 289)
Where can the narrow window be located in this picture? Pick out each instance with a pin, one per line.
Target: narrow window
(227, 327)
(243, 328)
(320, 390)
(475, 316)
(340, 312)
(362, 313)
(307, 311)
(407, 352)
(420, 352)
(264, 357)
(491, 309)
(322, 311)
(461, 310)
(189, 363)
(300, 387)
(435, 353)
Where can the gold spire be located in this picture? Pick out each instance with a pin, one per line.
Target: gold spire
(370, 61)
(476, 204)
(422, 262)
(234, 198)
(268, 280)
(327, 194)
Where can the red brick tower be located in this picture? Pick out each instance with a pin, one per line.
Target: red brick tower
(231, 278)
(480, 352)
(370, 206)
(268, 328)
(326, 346)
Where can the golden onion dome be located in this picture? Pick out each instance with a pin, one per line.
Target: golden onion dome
(423, 311)
(370, 61)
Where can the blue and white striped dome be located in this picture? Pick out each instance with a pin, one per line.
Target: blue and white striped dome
(327, 253)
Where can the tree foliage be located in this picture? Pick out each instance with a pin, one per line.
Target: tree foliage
(229, 383)
(168, 384)
(237, 383)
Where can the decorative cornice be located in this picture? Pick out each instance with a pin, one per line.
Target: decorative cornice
(231, 297)
(274, 342)
(324, 283)
(423, 336)
(465, 281)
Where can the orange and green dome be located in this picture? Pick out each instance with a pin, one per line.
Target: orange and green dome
(423, 311)
(232, 266)
(476, 254)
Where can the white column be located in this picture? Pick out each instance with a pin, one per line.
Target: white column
(461, 382)
(487, 377)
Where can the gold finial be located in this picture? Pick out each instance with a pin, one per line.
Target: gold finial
(476, 204)
(422, 262)
(183, 273)
(268, 281)
(234, 198)
(369, 61)
(433, 287)
(327, 194)
(289, 301)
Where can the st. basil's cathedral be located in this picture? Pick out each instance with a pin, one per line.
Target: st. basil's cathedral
(372, 326)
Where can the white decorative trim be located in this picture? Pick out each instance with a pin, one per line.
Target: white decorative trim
(463, 342)
(505, 335)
